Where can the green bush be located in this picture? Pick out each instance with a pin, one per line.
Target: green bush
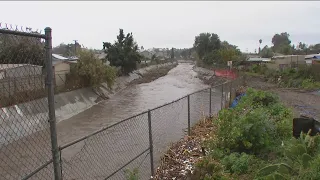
(237, 163)
(301, 160)
(256, 124)
(91, 71)
(310, 84)
(208, 169)
(254, 141)
(306, 77)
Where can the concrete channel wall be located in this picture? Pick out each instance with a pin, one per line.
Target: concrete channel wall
(26, 118)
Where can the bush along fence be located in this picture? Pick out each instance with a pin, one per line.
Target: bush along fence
(29, 148)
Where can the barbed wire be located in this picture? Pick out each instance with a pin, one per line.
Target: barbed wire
(7, 26)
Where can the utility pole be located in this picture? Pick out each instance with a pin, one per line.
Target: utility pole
(75, 47)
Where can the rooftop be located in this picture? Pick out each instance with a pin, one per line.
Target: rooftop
(252, 59)
(312, 56)
(59, 57)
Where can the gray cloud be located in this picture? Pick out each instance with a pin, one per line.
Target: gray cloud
(168, 24)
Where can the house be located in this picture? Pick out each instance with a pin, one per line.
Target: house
(312, 59)
(15, 78)
(61, 67)
(258, 60)
(286, 61)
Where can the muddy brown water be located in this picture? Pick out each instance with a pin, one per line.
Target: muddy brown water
(100, 155)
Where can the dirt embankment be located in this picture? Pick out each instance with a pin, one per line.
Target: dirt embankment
(302, 102)
(208, 77)
(153, 74)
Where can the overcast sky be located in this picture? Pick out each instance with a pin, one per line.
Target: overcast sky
(168, 24)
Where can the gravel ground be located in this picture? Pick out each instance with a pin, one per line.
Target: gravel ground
(302, 102)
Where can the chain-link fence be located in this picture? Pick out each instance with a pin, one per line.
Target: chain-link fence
(137, 143)
(25, 75)
(29, 147)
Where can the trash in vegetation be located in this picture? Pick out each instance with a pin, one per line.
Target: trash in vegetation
(180, 159)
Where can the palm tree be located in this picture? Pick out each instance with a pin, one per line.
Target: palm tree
(260, 41)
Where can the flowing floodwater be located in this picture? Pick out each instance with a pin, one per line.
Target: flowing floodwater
(118, 145)
(179, 82)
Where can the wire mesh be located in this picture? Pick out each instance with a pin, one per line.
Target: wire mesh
(169, 124)
(216, 93)
(199, 106)
(104, 153)
(45, 173)
(24, 129)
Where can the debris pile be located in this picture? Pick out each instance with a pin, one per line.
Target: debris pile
(180, 159)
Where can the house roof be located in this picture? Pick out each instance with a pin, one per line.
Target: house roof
(254, 59)
(59, 57)
(312, 56)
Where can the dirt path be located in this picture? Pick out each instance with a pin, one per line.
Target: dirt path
(302, 102)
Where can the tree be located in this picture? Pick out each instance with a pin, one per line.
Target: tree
(92, 71)
(281, 42)
(206, 43)
(229, 52)
(123, 52)
(266, 52)
(260, 41)
(67, 50)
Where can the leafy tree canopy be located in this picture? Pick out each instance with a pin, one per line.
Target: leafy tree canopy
(281, 43)
(206, 43)
(67, 50)
(266, 52)
(123, 52)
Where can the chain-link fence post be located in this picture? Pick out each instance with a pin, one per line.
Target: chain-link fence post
(210, 105)
(222, 99)
(230, 96)
(150, 143)
(52, 116)
(60, 155)
(189, 128)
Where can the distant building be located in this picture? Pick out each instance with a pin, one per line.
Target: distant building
(312, 59)
(286, 61)
(61, 67)
(258, 59)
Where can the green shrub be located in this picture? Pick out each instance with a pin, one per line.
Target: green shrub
(91, 71)
(313, 172)
(237, 163)
(301, 160)
(256, 124)
(310, 84)
(208, 169)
